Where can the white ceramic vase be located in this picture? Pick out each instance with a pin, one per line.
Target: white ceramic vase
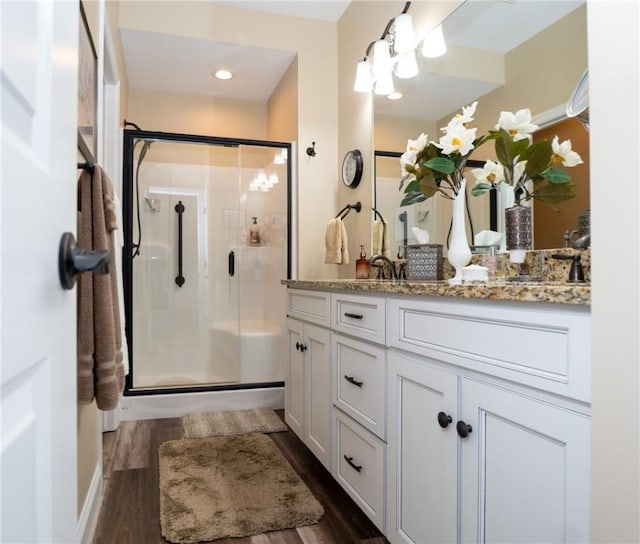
(459, 254)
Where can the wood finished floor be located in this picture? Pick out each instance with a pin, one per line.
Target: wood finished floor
(130, 508)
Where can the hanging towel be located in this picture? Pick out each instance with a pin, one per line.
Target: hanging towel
(333, 242)
(386, 242)
(376, 237)
(381, 244)
(344, 243)
(100, 369)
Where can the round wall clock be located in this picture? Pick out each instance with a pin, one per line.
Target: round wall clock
(352, 168)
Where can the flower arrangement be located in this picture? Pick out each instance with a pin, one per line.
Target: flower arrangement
(531, 169)
(437, 167)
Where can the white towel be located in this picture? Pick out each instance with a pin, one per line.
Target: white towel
(333, 242)
(344, 243)
(386, 242)
(377, 237)
(336, 244)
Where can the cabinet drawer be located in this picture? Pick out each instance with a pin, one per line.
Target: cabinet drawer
(359, 316)
(540, 345)
(359, 377)
(311, 306)
(358, 466)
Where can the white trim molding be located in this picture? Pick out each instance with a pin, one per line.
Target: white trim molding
(88, 519)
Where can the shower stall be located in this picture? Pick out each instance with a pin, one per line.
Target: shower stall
(206, 243)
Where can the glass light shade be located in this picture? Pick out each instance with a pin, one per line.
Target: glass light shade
(434, 44)
(364, 80)
(278, 158)
(405, 38)
(384, 84)
(407, 66)
(273, 180)
(381, 58)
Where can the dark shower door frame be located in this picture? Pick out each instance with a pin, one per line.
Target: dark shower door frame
(128, 204)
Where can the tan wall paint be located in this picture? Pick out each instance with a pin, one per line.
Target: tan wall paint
(282, 108)
(112, 9)
(198, 114)
(316, 46)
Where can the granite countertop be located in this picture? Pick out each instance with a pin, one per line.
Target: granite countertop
(552, 292)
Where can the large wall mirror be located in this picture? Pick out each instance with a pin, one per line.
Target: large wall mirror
(508, 56)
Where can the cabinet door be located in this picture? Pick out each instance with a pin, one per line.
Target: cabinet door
(294, 390)
(318, 392)
(422, 457)
(525, 469)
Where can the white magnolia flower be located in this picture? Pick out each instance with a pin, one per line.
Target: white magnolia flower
(410, 156)
(462, 118)
(563, 153)
(459, 139)
(519, 125)
(492, 173)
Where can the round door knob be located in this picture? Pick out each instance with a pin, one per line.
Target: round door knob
(463, 429)
(444, 420)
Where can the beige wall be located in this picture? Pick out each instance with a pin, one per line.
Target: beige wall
(198, 114)
(316, 46)
(282, 108)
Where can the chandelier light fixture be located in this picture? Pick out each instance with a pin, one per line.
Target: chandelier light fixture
(394, 54)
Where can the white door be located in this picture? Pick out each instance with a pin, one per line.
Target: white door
(525, 469)
(38, 83)
(422, 477)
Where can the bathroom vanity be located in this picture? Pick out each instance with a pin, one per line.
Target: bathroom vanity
(449, 413)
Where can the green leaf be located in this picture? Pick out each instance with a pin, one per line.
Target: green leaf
(412, 198)
(503, 144)
(480, 189)
(538, 157)
(557, 176)
(440, 164)
(518, 148)
(553, 193)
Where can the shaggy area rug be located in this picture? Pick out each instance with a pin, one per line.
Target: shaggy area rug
(204, 424)
(229, 486)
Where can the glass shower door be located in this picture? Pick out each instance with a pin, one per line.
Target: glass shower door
(177, 298)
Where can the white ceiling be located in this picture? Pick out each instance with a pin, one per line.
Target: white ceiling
(183, 65)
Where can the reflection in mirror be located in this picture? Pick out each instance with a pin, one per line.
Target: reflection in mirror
(533, 58)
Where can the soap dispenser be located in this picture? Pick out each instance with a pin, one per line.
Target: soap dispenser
(254, 233)
(362, 266)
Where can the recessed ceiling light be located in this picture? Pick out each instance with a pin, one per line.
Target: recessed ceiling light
(395, 96)
(223, 74)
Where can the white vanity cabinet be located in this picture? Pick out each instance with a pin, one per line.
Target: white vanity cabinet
(359, 372)
(308, 374)
(447, 419)
(495, 459)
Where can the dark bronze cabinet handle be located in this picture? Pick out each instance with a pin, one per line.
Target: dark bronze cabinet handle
(352, 380)
(444, 420)
(349, 460)
(298, 344)
(353, 316)
(464, 429)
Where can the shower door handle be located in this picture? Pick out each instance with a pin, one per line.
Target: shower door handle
(180, 210)
(232, 263)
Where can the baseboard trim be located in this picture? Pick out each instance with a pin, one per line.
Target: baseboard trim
(178, 404)
(88, 519)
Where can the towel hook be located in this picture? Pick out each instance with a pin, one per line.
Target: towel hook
(311, 151)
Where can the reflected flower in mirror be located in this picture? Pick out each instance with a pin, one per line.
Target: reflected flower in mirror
(532, 169)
